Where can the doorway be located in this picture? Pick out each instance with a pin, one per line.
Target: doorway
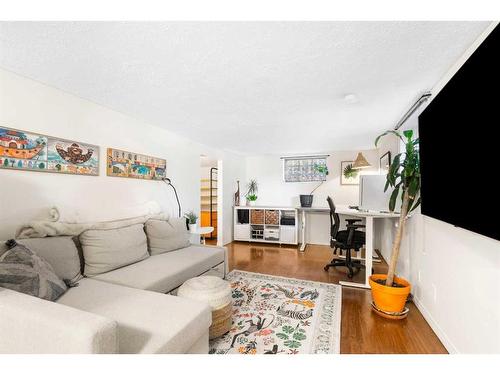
(209, 198)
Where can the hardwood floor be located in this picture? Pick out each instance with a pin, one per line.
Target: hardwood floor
(363, 331)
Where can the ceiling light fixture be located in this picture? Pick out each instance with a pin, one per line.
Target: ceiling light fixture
(361, 162)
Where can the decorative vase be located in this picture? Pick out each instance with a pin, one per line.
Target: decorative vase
(250, 203)
(237, 195)
(193, 227)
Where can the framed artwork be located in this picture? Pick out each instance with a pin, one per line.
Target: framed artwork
(385, 162)
(348, 175)
(131, 165)
(28, 151)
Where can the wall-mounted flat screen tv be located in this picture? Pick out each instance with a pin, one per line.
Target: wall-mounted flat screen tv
(460, 145)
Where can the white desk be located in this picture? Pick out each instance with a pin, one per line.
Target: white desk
(369, 216)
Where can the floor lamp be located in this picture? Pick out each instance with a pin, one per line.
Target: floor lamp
(169, 182)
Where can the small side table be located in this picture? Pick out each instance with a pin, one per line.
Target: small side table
(202, 231)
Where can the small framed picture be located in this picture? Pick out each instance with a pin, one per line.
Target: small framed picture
(348, 175)
(385, 162)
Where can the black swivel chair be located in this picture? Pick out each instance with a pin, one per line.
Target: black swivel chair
(345, 240)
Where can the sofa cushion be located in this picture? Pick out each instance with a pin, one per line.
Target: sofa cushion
(108, 249)
(26, 272)
(164, 236)
(165, 272)
(148, 322)
(60, 252)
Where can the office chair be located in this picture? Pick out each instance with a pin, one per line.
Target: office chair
(345, 240)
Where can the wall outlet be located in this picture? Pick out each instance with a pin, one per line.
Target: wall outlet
(434, 292)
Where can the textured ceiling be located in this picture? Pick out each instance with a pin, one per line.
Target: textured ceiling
(251, 87)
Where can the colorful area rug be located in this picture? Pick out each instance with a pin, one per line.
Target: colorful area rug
(278, 315)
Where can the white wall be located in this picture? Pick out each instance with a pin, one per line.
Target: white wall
(273, 191)
(455, 273)
(24, 195)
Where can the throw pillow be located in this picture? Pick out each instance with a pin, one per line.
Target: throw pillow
(165, 236)
(24, 271)
(105, 250)
(60, 252)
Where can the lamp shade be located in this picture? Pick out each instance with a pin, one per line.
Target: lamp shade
(361, 162)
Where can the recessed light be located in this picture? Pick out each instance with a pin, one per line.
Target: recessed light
(351, 98)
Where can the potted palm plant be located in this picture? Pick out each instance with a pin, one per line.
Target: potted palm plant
(388, 291)
(307, 199)
(251, 194)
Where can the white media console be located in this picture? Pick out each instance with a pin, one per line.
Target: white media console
(266, 224)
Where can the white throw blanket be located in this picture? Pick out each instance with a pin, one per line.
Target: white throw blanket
(81, 215)
(59, 225)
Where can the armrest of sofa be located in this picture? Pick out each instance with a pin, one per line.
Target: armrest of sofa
(32, 325)
(226, 259)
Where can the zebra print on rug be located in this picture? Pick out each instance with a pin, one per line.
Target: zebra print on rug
(277, 315)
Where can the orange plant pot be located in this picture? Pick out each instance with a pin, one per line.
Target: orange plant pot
(388, 298)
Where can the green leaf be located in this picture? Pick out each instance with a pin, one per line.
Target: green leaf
(350, 172)
(393, 170)
(387, 183)
(416, 204)
(282, 336)
(388, 132)
(292, 344)
(414, 187)
(299, 336)
(392, 200)
(288, 329)
(408, 134)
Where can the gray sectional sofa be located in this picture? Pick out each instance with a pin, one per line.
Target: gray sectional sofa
(123, 299)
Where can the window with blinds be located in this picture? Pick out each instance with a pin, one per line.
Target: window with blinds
(303, 169)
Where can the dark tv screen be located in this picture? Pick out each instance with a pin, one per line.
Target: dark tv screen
(460, 145)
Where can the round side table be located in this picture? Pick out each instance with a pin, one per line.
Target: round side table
(202, 231)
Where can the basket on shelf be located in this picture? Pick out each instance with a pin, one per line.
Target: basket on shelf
(272, 217)
(257, 216)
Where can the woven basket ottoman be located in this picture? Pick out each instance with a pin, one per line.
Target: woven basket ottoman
(217, 293)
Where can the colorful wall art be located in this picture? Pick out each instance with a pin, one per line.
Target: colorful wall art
(36, 152)
(128, 164)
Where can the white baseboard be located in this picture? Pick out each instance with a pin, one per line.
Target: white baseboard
(435, 327)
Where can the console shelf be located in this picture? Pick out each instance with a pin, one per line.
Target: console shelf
(266, 224)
